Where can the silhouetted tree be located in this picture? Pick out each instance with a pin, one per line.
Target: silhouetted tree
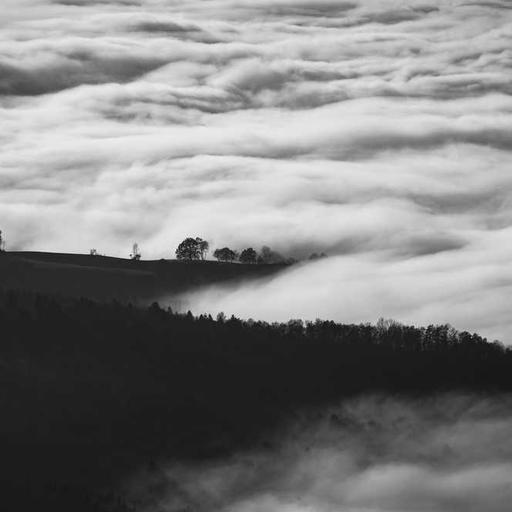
(2, 243)
(135, 255)
(267, 255)
(316, 256)
(248, 255)
(224, 254)
(203, 246)
(189, 249)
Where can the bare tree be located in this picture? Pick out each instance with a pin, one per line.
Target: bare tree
(135, 255)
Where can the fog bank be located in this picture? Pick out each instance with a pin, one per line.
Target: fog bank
(449, 453)
(468, 292)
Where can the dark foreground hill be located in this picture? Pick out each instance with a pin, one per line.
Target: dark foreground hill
(103, 277)
(92, 392)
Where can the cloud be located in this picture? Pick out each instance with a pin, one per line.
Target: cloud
(435, 279)
(379, 132)
(372, 453)
(85, 3)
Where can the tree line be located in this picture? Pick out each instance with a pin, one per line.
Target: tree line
(93, 391)
(197, 249)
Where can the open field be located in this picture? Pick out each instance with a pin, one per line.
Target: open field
(107, 278)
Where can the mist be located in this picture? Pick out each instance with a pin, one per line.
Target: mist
(374, 453)
(469, 293)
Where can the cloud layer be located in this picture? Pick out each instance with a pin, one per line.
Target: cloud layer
(372, 454)
(378, 132)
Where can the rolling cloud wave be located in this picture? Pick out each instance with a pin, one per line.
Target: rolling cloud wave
(379, 132)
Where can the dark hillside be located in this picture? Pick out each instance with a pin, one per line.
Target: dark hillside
(90, 392)
(102, 277)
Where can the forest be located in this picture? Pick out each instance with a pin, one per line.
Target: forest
(91, 392)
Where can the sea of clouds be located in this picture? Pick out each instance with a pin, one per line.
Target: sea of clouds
(371, 454)
(377, 131)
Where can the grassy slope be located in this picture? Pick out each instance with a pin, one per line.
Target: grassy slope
(103, 277)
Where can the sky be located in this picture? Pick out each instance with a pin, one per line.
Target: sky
(379, 132)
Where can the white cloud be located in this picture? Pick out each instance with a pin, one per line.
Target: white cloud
(379, 132)
(370, 454)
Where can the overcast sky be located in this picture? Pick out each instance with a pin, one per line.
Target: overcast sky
(377, 131)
